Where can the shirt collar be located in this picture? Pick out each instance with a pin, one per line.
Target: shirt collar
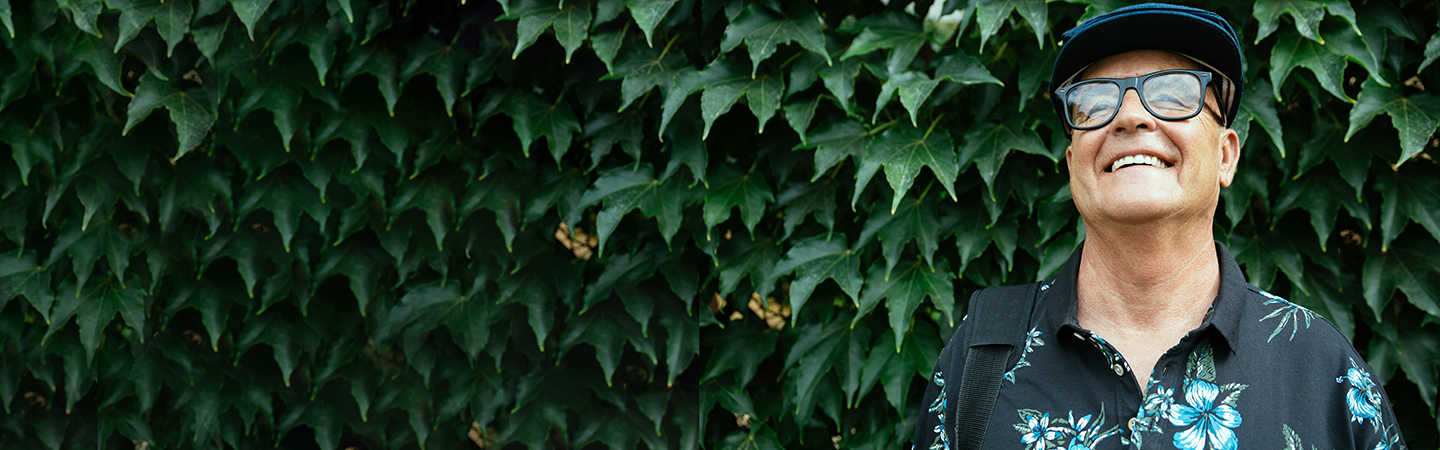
(1061, 305)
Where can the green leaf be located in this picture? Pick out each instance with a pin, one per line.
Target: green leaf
(975, 231)
(623, 190)
(360, 263)
(901, 33)
(84, 12)
(988, 144)
(759, 438)
(732, 189)
(379, 60)
(1410, 267)
(1407, 197)
(172, 20)
(1355, 48)
(30, 147)
(1261, 254)
(571, 23)
(1432, 49)
(447, 63)
(647, 14)
(102, 60)
(902, 151)
(277, 91)
(915, 221)
(1321, 195)
(687, 149)
(422, 308)
(991, 15)
(914, 88)
(1247, 183)
(607, 129)
(1306, 13)
(813, 355)
(133, 18)
(110, 239)
(1352, 159)
(95, 306)
(208, 39)
(607, 330)
(744, 359)
(1327, 295)
(840, 80)
(762, 29)
(1261, 109)
(904, 292)
(563, 192)
(755, 259)
(836, 139)
(647, 68)
(20, 275)
(190, 110)
(813, 260)
(533, 119)
(1326, 62)
(9, 26)
(726, 82)
(286, 198)
(814, 198)
(1415, 117)
(682, 342)
(250, 12)
(799, 114)
(430, 195)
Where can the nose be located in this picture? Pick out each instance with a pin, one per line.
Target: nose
(1132, 115)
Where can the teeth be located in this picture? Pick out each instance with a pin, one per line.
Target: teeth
(1137, 159)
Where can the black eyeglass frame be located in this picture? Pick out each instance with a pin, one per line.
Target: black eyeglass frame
(1135, 83)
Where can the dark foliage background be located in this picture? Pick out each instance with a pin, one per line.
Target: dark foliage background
(377, 224)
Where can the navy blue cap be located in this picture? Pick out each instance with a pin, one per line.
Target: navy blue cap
(1201, 35)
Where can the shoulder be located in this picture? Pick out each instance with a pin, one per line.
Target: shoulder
(1292, 341)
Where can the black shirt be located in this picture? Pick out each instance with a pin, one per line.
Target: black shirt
(1260, 372)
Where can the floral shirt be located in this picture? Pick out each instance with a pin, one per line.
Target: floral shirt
(1260, 372)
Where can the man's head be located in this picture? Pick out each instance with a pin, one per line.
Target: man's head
(1133, 87)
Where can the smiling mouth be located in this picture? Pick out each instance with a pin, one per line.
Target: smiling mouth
(1136, 160)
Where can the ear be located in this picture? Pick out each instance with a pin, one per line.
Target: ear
(1229, 146)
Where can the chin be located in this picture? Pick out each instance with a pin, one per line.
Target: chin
(1137, 210)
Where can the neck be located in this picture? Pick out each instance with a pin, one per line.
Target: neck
(1146, 282)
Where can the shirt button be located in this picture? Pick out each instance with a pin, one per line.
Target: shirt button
(1132, 423)
(1119, 369)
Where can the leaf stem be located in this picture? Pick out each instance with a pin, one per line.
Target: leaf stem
(932, 125)
(667, 46)
(882, 127)
(923, 193)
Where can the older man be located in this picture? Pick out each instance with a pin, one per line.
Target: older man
(1150, 337)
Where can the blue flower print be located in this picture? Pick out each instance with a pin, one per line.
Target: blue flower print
(1212, 422)
(1032, 340)
(1363, 398)
(1038, 431)
(942, 441)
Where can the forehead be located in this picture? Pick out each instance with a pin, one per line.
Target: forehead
(1135, 63)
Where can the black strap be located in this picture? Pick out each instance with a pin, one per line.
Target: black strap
(998, 320)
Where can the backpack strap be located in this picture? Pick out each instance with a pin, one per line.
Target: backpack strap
(999, 317)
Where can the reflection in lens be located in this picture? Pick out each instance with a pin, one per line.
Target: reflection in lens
(1093, 103)
(1173, 95)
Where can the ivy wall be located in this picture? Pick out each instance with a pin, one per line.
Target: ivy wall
(660, 223)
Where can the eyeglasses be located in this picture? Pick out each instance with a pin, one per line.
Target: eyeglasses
(1167, 94)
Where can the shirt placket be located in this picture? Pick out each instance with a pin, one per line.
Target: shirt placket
(1127, 392)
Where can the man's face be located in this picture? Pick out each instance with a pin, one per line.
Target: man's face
(1198, 153)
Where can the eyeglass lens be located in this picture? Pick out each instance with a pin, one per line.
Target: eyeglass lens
(1171, 96)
